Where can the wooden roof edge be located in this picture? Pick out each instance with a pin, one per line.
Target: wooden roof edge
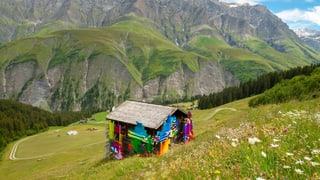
(175, 108)
(172, 111)
(142, 102)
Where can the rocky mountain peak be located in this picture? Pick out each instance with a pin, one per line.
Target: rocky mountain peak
(176, 19)
(310, 37)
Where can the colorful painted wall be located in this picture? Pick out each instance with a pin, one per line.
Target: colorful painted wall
(125, 142)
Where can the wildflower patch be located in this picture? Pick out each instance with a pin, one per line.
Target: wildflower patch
(286, 146)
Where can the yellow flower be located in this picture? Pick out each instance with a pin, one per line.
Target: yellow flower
(216, 172)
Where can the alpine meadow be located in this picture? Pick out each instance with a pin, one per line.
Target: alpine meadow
(220, 91)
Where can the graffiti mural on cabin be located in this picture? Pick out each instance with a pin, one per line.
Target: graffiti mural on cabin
(152, 134)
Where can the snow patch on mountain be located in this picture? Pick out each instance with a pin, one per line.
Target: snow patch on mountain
(308, 34)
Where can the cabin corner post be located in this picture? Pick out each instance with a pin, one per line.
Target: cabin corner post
(107, 144)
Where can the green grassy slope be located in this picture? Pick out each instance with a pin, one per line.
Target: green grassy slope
(142, 49)
(135, 47)
(54, 154)
(131, 46)
(300, 87)
(254, 57)
(221, 147)
(137, 44)
(288, 133)
(290, 53)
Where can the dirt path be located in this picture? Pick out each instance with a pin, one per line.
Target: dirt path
(217, 110)
(15, 148)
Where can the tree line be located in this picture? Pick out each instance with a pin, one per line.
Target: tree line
(299, 88)
(18, 120)
(252, 87)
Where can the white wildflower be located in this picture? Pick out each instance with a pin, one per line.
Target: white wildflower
(235, 140)
(217, 136)
(234, 144)
(314, 163)
(276, 140)
(274, 145)
(316, 151)
(299, 171)
(263, 154)
(260, 178)
(289, 154)
(303, 112)
(253, 140)
(299, 162)
(286, 167)
(307, 158)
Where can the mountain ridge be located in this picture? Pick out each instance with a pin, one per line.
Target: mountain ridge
(161, 50)
(68, 70)
(310, 37)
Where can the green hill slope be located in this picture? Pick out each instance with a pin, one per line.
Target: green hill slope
(96, 68)
(223, 147)
(253, 57)
(137, 43)
(273, 141)
(19, 120)
(299, 88)
(141, 49)
(247, 40)
(75, 63)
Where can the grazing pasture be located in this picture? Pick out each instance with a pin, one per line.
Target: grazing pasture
(54, 153)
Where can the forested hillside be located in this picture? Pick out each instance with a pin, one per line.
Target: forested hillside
(265, 82)
(300, 88)
(18, 120)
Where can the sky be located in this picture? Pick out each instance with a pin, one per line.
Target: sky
(298, 14)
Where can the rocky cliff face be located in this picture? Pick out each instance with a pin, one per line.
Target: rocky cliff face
(210, 78)
(101, 82)
(62, 72)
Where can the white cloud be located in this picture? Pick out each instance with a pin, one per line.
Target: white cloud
(297, 18)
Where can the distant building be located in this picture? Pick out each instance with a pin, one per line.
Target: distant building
(83, 121)
(146, 129)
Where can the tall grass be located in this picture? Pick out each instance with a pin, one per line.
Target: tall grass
(278, 141)
(268, 142)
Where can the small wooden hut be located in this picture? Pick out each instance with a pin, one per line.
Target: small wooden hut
(143, 128)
